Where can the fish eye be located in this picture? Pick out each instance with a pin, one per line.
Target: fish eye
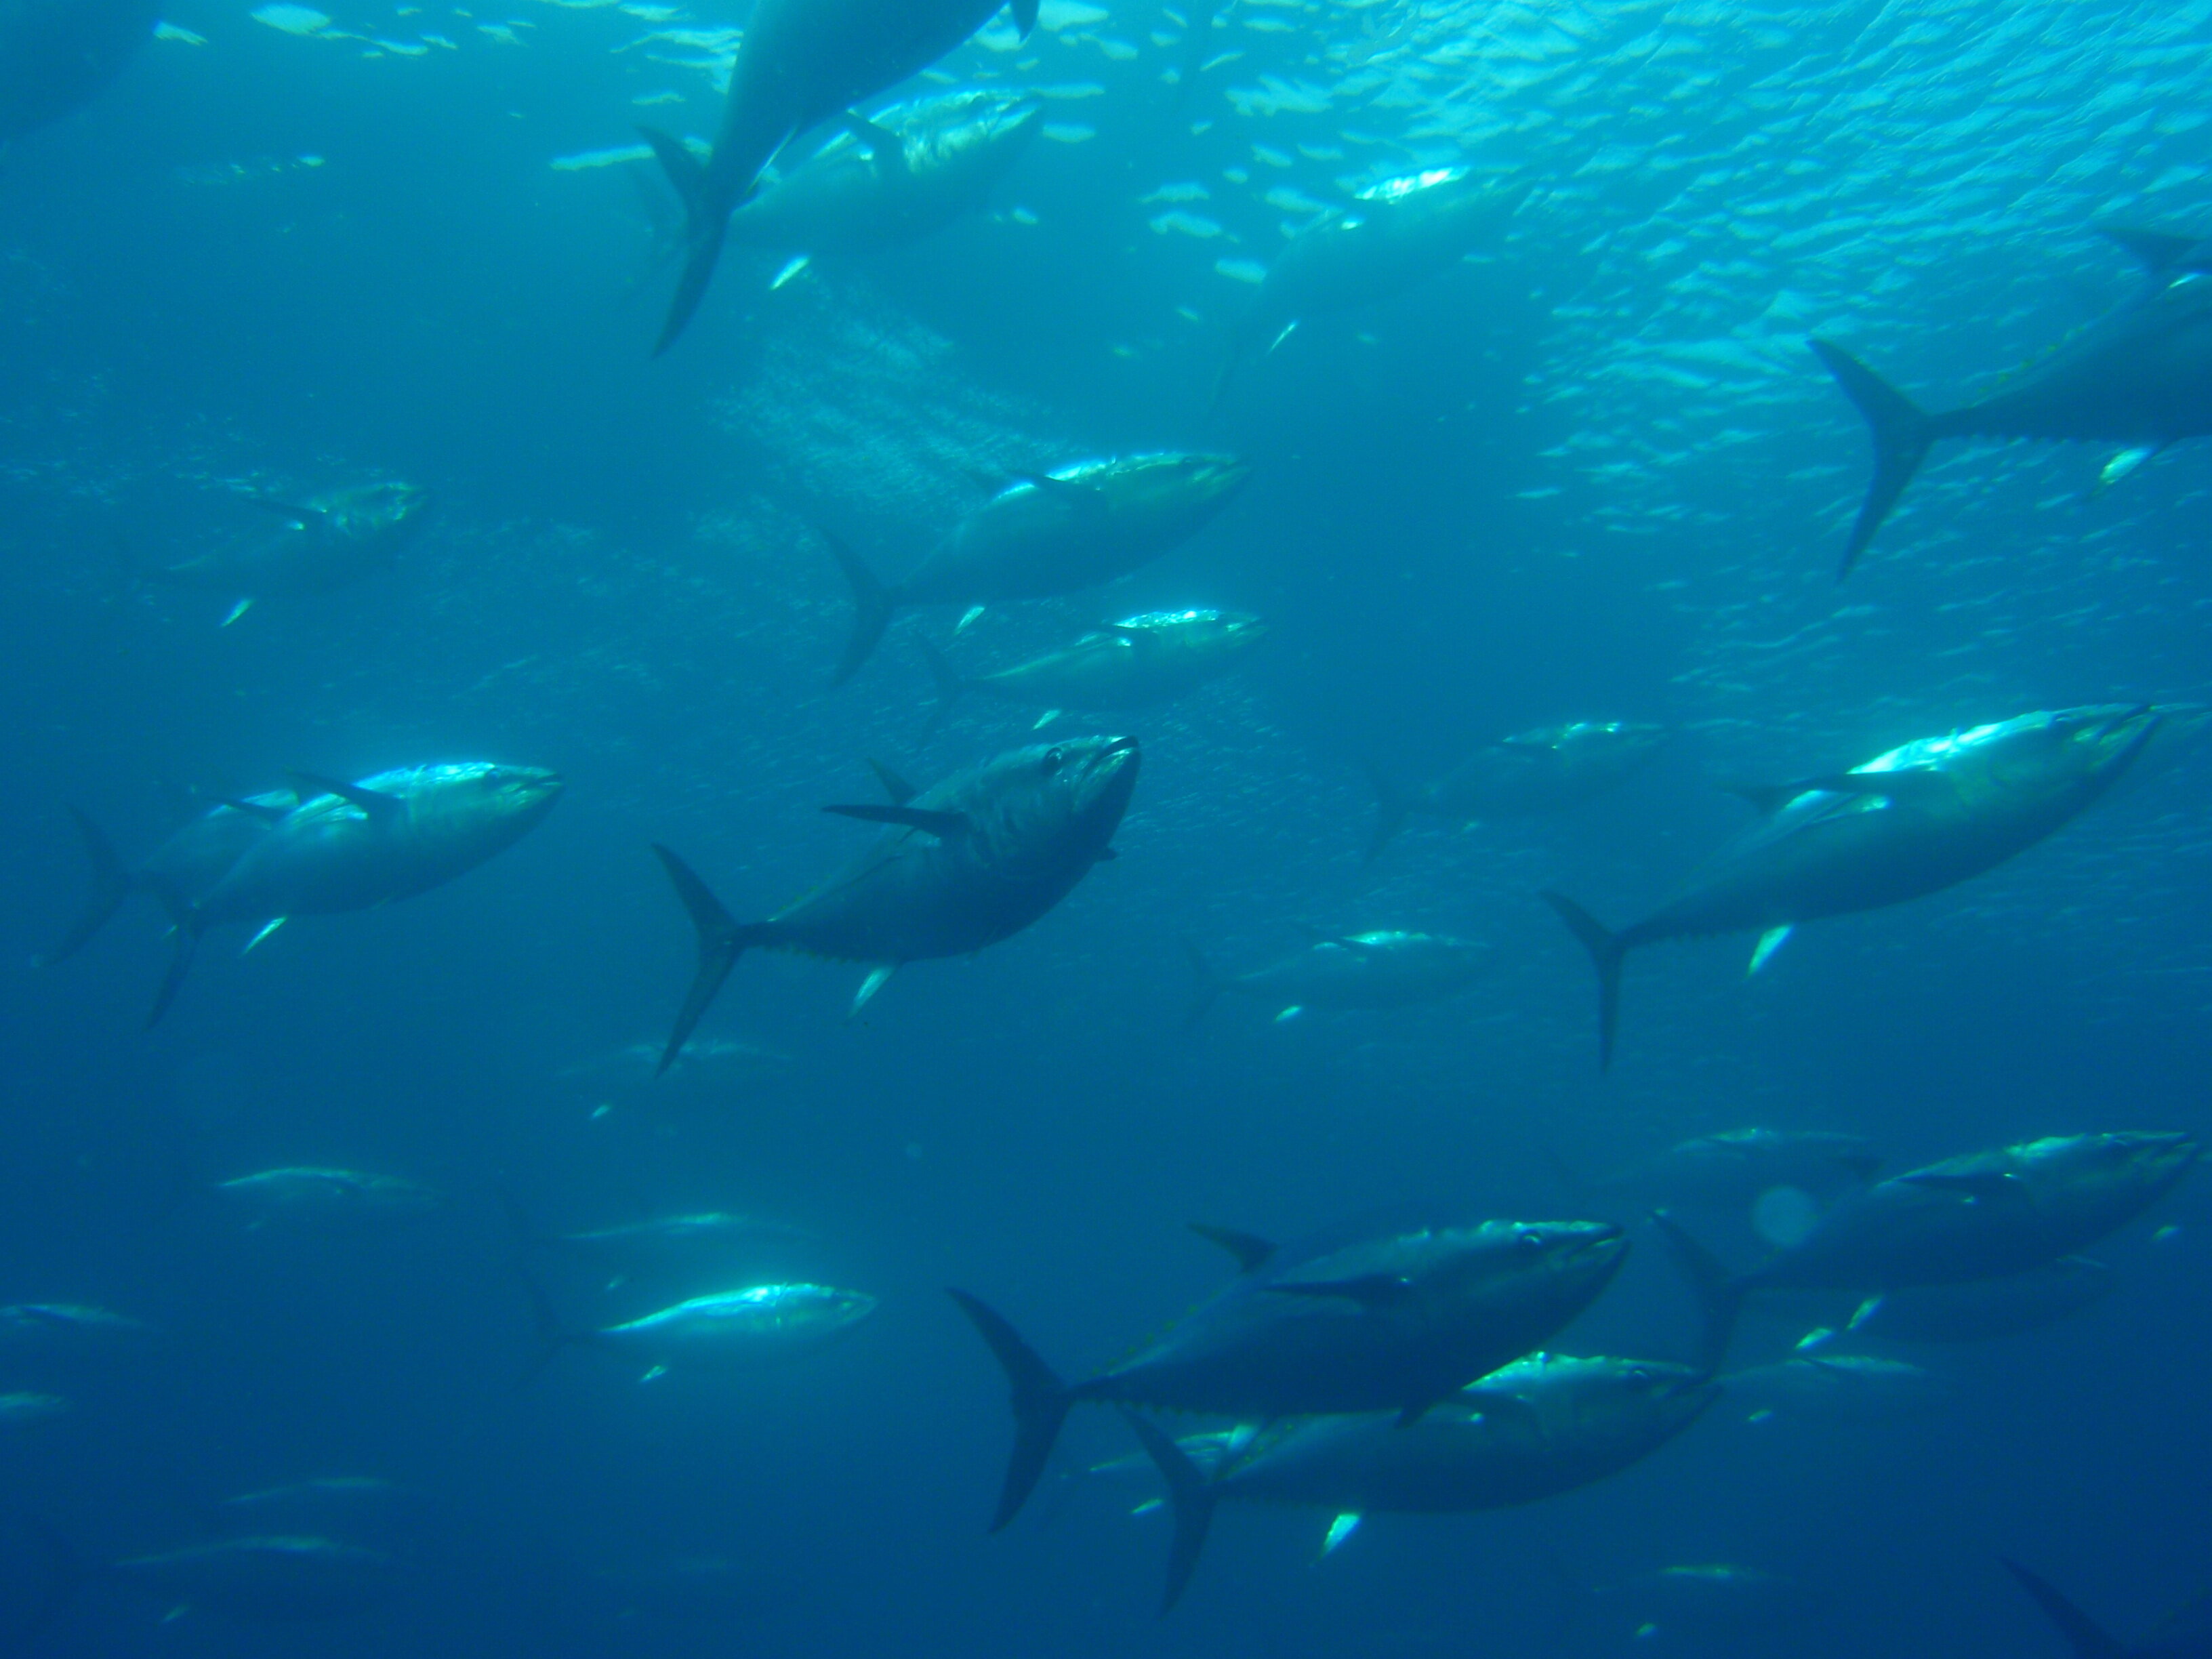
(1052, 760)
(1639, 1379)
(1531, 1241)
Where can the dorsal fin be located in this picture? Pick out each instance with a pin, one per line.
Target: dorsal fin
(1252, 1252)
(900, 791)
(2161, 252)
(2088, 1641)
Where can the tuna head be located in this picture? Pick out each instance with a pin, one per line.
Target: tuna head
(389, 513)
(1168, 497)
(2104, 1179)
(1618, 1406)
(1542, 1273)
(1057, 804)
(2069, 753)
(461, 815)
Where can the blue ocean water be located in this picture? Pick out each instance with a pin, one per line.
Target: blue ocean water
(1589, 473)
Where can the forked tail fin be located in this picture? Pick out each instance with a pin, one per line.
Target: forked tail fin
(1901, 431)
(722, 940)
(1392, 806)
(1190, 1497)
(111, 886)
(872, 605)
(187, 938)
(1607, 952)
(1719, 1293)
(950, 685)
(2082, 1633)
(1040, 1400)
(705, 225)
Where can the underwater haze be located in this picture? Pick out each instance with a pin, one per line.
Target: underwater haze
(374, 592)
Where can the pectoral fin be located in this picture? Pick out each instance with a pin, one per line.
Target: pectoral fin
(1025, 15)
(1994, 1185)
(889, 148)
(1252, 1252)
(1373, 1292)
(236, 612)
(267, 928)
(1340, 1530)
(379, 808)
(878, 978)
(265, 811)
(1769, 942)
(946, 826)
(2125, 462)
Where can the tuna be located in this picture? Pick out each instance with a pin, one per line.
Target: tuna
(963, 866)
(905, 174)
(802, 61)
(1984, 1310)
(1138, 662)
(1377, 970)
(349, 846)
(308, 1194)
(56, 56)
(746, 1327)
(326, 544)
(1392, 236)
(2143, 378)
(1046, 534)
(1543, 1426)
(1979, 1217)
(2186, 1634)
(1919, 818)
(1552, 769)
(276, 1579)
(1374, 1316)
(1733, 1168)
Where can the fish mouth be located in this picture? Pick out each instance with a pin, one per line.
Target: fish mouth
(1594, 1243)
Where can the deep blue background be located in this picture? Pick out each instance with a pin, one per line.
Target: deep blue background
(619, 585)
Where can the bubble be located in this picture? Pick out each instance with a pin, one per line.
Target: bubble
(1783, 1216)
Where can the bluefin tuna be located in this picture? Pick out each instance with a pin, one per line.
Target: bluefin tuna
(1138, 662)
(802, 62)
(1384, 970)
(1733, 1168)
(2142, 378)
(1046, 534)
(1369, 1318)
(963, 866)
(903, 175)
(1978, 1216)
(750, 1327)
(1853, 1388)
(279, 1578)
(349, 846)
(56, 56)
(1543, 1426)
(1552, 769)
(307, 1193)
(1393, 235)
(327, 542)
(1914, 820)
(2186, 1634)
(1982, 1310)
